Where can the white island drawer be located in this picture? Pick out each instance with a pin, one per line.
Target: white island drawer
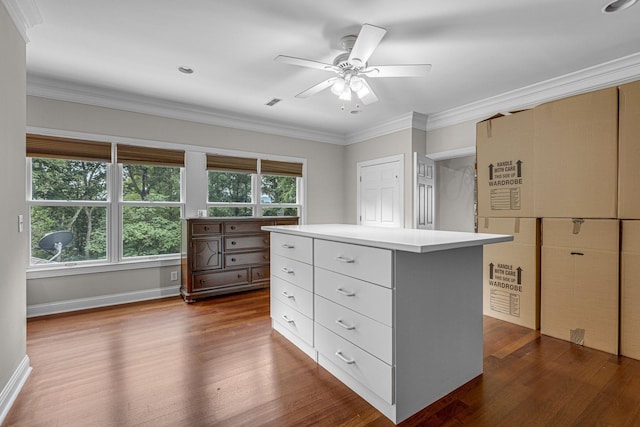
(294, 321)
(362, 262)
(294, 247)
(292, 295)
(371, 300)
(292, 271)
(364, 332)
(371, 372)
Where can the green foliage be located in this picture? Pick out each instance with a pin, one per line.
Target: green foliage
(150, 230)
(279, 189)
(281, 211)
(150, 183)
(68, 180)
(230, 211)
(229, 187)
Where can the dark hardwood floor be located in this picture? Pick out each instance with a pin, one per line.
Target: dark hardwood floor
(218, 363)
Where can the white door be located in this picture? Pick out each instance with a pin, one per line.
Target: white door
(424, 180)
(380, 192)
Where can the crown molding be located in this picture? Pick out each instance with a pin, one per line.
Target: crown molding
(618, 71)
(406, 121)
(64, 91)
(24, 13)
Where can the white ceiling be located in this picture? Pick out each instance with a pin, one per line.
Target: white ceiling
(479, 49)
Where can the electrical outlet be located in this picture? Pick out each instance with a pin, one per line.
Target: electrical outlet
(174, 275)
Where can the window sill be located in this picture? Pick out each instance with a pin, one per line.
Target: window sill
(62, 270)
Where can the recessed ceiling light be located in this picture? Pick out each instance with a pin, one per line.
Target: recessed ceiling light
(618, 5)
(185, 70)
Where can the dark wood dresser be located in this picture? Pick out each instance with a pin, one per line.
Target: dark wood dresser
(225, 255)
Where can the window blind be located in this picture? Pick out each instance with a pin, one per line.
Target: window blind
(149, 156)
(272, 167)
(232, 164)
(66, 148)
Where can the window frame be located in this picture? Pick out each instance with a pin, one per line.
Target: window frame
(253, 205)
(192, 199)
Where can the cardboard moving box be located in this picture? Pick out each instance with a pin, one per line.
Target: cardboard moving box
(579, 281)
(629, 152)
(576, 156)
(630, 290)
(504, 154)
(511, 272)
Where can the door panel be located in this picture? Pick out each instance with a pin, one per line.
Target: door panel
(424, 192)
(381, 194)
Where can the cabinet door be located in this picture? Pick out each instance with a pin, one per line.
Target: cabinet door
(206, 254)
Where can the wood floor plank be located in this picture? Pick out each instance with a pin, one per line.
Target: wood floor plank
(217, 362)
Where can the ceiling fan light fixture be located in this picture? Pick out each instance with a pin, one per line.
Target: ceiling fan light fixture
(363, 92)
(356, 84)
(338, 86)
(618, 5)
(346, 94)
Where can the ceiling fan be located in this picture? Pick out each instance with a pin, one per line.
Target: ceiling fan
(352, 67)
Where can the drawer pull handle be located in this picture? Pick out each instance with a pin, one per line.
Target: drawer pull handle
(345, 260)
(284, 293)
(265, 241)
(287, 246)
(344, 325)
(287, 319)
(286, 270)
(233, 260)
(202, 282)
(233, 227)
(206, 228)
(233, 242)
(345, 293)
(344, 358)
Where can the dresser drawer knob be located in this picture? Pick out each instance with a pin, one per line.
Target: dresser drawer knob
(239, 276)
(202, 282)
(288, 246)
(233, 227)
(233, 242)
(258, 273)
(344, 325)
(287, 319)
(287, 295)
(345, 293)
(345, 260)
(286, 270)
(344, 358)
(233, 260)
(265, 241)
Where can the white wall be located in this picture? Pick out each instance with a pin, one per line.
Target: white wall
(324, 183)
(450, 139)
(13, 347)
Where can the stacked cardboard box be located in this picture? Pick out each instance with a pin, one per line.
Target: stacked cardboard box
(559, 162)
(630, 290)
(511, 274)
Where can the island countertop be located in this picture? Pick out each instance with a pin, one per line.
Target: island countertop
(401, 239)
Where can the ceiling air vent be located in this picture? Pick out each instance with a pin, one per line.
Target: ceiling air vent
(273, 102)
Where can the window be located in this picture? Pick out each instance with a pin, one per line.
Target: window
(69, 200)
(151, 202)
(230, 185)
(279, 188)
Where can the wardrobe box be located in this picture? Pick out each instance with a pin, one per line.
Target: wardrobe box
(511, 271)
(630, 290)
(579, 281)
(629, 152)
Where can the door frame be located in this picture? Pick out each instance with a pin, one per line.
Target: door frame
(379, 161)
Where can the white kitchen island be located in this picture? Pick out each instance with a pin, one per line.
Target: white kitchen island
(395, 314)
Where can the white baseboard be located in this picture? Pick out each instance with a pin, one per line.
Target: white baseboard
(100, 301)
(12, 388)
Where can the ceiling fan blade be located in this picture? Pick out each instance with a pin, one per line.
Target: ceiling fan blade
(370, 97)
(317, 88)
(367, 41)
(416, 70)
(305, 63)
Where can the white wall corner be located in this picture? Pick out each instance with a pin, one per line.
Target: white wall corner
(24, 13)
(612, 73)
(405, 121)
(12, 388)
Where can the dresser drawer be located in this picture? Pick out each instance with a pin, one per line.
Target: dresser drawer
(231, 260)
(260, 273)
(292, 271)
(371, 372)
(294, 321)
(244, 227)
(371, 300)
(220, 278)
(246, 242)
(372, 336)
(292, 295)
(362, 262)
(206, 254)
(205, 228)
(294, 247)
